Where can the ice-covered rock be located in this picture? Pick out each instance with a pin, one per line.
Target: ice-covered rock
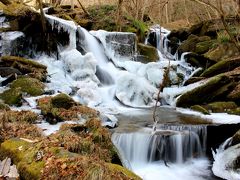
(135, 91)
(226, 162)
(109, 120)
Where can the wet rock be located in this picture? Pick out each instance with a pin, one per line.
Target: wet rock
(149, 52)
(30, 86)
(216, 88)
(236, 138)
(200, 109)
(204, 46)
(6, 71)
(9, 79)
(198, 60)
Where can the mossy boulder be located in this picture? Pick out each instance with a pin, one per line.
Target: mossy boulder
(149, 52)
(25, 66)
(218, 107)
(222, 51)
(12, 96)
(31, 86)
(204, 46)
(216, 87)
(57, 112)
(221, 67)
(189, 45)
(63, 101)
(200, 109)
(198, 60)
(72, 153)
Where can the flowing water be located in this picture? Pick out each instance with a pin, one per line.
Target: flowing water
(99, 70)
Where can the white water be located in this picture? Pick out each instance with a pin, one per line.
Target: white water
(172, 152)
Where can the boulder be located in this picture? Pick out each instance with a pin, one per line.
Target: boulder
(31, 86)
(149, 52)
(6, 71)
(198, 60)
(62, 101)
(215, 88)
(221, 67)
(222, 51)
(189, 45)
(12, 96)
(204, 46)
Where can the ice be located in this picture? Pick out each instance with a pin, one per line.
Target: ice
(223, 165)
(135, 91)
(218, 118)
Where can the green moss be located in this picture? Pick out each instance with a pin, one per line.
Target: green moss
(215, 88)
(12, 96)
(204, 46)
(14, 148)
(31, 86)
(200, 109)
(221, 106)
(149, 52)
(222, 66)
(62, 101)
(234, 111)
(31, 170)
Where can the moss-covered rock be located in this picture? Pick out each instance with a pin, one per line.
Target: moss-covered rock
(25, 66)
(31, 86)
(57, 113)
(221, 67)
(21, 116)
(222, 51)
(63, 101)
(204, 46)
(200, 109)
(72, 153)
(236, 138)
(12, 96)
(189, 45)
(218, 107)
(216, 87)
(149, 52)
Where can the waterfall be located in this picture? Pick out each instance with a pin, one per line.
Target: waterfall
(169, 143)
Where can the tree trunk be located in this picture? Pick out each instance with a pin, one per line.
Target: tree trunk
(86, 12)
(43, 20)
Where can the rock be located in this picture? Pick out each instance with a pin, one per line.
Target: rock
(189, 45)
(192, 80)
(9, 79)
(198, 60)
(149, 52)
(235, 94)
(12, 96)
(236, 138)
(214, 88)
(199, 109)
(30, 86)
(221, 67)
(222, 51)
(25, 66)
(204, 46)
(6, 71)
(218, 107)
(62, 101)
